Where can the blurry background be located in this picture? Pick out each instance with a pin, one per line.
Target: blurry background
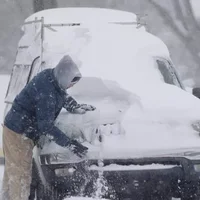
(176, 22)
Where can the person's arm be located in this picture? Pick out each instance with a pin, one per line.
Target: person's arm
(45, 114)
(72, 106)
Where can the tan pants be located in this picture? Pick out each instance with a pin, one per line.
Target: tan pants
(18, 165)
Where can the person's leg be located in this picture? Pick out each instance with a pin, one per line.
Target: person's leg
(5, 186)
(18, 159)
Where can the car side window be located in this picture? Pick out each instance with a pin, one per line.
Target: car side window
(168, 72)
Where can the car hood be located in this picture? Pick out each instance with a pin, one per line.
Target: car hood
(163, 122)
(157, 122)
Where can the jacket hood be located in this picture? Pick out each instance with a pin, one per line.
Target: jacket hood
(66, 71)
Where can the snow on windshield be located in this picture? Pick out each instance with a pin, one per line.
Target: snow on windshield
(111, 52)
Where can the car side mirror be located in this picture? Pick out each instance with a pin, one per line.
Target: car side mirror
(196, 92)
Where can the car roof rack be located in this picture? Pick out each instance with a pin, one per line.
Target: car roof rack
(139, 22)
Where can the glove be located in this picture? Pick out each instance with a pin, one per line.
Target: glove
(83, 108)
(78, 148)
(87, 107)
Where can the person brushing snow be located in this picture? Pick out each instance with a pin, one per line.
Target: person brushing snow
(32, 115)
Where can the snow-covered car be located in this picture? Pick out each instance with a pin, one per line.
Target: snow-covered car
(143, 138)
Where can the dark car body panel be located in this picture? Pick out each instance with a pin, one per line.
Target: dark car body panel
(139, 184)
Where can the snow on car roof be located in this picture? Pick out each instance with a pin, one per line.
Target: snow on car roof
(117, 45)
(82, 15)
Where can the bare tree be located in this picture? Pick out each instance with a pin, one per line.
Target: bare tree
(39, 5)
(184, 24)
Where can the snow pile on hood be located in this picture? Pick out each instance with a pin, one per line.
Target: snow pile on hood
(153, 125)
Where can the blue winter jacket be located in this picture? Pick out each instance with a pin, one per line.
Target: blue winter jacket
(35, 109)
